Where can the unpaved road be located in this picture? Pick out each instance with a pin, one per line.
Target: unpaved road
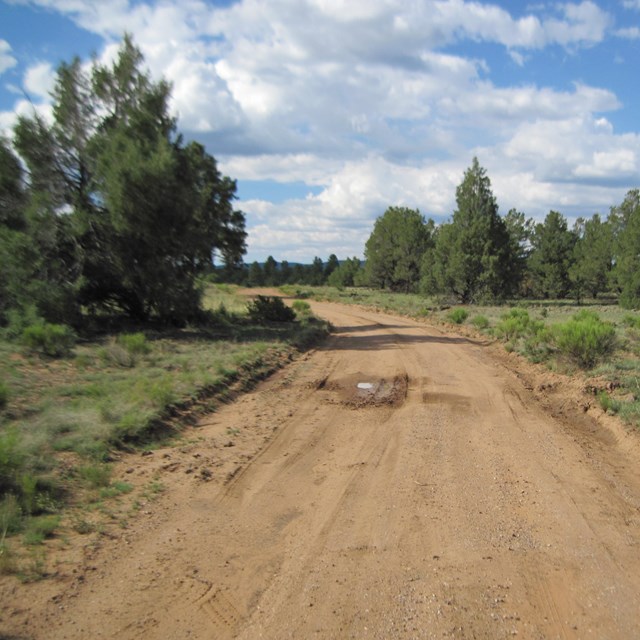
(442, 502)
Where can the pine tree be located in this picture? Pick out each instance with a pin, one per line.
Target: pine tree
(473, 257)
(137, 214)
(592, 256)
(394, 250)
(552, 256)
(625, 219)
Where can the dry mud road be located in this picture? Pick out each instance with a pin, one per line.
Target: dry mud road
(443, 501)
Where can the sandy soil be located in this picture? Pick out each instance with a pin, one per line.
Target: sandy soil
(451, 496)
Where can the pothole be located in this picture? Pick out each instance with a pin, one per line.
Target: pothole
(360, 390)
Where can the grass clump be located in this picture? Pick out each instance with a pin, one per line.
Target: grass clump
(585, 339)
(134, 343)
(12, 459)
(458, 316)
(125, 350)
(607, 403)
(631, 321)
(480, 322)
(301, 307)
(40, 528)
(96, 475)
(514, 324)
(53, 340)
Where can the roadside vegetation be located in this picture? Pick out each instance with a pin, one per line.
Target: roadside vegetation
(66, 412)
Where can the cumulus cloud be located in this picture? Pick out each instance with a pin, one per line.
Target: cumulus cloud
(630, 33)
(39, 80)
(376, 103)
(7, 61)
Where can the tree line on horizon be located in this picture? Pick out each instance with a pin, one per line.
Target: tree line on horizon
(481, 256)
(270, 273)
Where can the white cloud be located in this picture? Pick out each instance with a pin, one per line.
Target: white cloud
(377, 102)
(39, 80)
(7, 61)
(629, 33)
(8, 119)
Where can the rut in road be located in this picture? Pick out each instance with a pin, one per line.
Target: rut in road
(412, 488)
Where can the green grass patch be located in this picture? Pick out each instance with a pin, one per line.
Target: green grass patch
(54, 340)
(301, 307)
(480, 322)
(458, 315)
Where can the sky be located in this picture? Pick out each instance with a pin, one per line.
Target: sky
(327, 112)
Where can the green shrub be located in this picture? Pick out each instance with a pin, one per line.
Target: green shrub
(301, 307)
(18, 319)
(480, 322)
(311, 332)
(537, 345)
(585, 339)
(513, 325)
(125, 349)
(134, 343)
(54, 340)
(458, 316)
(270, 309)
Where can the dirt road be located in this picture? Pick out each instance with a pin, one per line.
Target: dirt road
(397, 483)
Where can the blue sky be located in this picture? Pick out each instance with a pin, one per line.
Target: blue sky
(329, 111)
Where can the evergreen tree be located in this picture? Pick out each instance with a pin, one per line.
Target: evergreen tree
(12, 188)
(285, 272)
(520, 230)
(332, 264)
(137, 214)
(395, 248)
(255, 277)
(552, 256)
(315, 273)
(345, 275)
(473, 258)
(592, 256)
(270, 270)
(625, 219)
